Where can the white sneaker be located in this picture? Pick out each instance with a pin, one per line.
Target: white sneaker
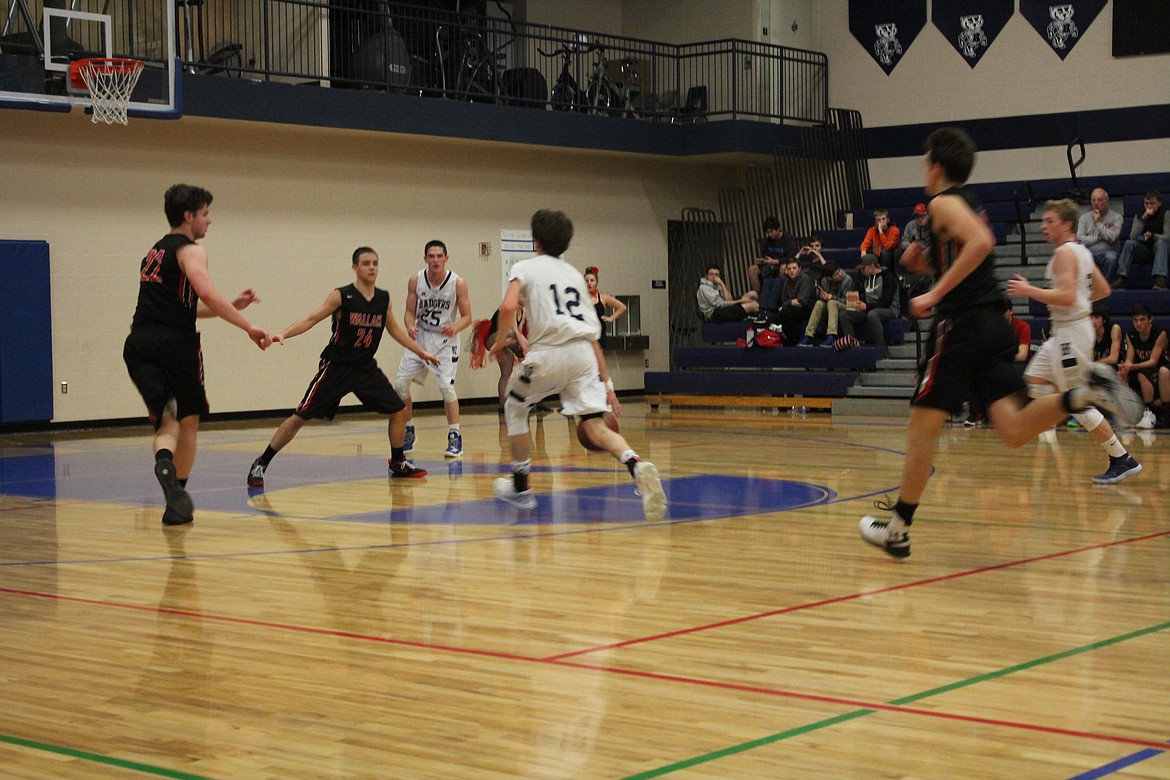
(649, 487)
(1147, 421)
(1114, 395)
(890, 535)
(506, 491)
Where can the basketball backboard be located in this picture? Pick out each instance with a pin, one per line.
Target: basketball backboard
(40, 37)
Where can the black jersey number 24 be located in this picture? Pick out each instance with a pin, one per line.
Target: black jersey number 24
(572, 301)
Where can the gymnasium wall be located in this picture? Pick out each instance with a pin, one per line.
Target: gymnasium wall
(291, 204)
(1019, 76)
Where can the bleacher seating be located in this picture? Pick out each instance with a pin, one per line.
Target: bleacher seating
(1120, 303)
(1039, 325)
(722, 374)
(728, 332)
(779, 376)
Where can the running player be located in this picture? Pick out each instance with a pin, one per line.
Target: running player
(162, 352)
(561, 355)
(437, 308)
(1064, 359)
(972, 345)
(359, 311)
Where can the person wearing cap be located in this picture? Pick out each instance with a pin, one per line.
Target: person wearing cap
(918, 229)
(882, 239)
(878, 301)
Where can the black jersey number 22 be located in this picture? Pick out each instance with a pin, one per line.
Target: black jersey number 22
(572, 301)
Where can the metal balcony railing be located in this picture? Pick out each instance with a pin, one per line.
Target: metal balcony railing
(364, 44)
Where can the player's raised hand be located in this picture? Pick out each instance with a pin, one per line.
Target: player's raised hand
(246, 299)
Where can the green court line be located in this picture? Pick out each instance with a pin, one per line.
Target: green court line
(99, 759)
(800, 730)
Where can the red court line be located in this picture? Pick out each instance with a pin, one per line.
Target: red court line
(820, 698)
(859, 704)
(850, 597)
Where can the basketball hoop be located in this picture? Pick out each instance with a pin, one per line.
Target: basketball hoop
(110, 81)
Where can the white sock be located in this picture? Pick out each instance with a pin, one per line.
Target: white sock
(1114, 447)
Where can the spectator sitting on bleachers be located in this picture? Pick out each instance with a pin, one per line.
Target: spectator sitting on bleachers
(797, 297)
(1149, 239)
(810, 256)
(716, 303)
(1145, 366)
(882, 239)
(1021, 329)
(832, 291)
(1109, 343)
(917, 229)
(1099, 229)
(878, 302)
(775, 248)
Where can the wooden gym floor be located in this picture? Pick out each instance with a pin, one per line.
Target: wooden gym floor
(340, 624)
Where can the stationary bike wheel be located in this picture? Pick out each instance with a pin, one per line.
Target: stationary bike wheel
(599, 99)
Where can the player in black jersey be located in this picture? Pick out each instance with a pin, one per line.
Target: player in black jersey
(162, 351)
(359, 311)
(972, 349)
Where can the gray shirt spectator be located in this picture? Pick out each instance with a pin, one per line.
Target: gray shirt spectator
(716, 303)
(1099, 229)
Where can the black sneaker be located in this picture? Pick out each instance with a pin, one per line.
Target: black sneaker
(179, 509)
(406, 470)
(256, 474)
(1119, 469)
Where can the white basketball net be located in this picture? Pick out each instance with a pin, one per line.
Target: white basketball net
(110, 84)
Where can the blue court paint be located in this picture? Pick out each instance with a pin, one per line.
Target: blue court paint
(121, 474)
(1118, 765)
(689, 498)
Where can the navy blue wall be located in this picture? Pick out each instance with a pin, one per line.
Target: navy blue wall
(26, 333)
(1029, 132)
(229, 98)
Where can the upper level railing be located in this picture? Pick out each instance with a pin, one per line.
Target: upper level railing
(364, 44)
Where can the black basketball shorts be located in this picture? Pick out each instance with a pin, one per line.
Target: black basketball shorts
(166, 364)
(970, 358)
(334, 381)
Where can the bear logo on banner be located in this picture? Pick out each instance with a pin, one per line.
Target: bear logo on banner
(1063, 24)
(972, 38)
(971, 25)
(886, 29)
(886, 45)
(1062, 27)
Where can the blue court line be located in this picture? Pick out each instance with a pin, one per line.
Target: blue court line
(1118, 765)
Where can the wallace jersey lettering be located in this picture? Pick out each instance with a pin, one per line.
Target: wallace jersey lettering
(357, 326)
(435, 308)
(556, 302)
(165, 298)
(978, 288)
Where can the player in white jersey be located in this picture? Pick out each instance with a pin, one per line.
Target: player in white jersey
(437, 308)
(1064, 359)
(562, 356)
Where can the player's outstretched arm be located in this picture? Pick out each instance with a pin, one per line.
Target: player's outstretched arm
(193, 262)
(399, 334)
(332, 303)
